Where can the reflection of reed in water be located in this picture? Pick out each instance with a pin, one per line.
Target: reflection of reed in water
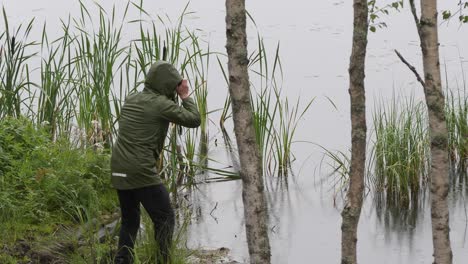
(400, 217)
(458, 186)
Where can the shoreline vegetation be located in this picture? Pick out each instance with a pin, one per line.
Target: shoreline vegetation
(59, 119)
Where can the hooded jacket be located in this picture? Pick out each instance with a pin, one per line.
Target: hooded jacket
(143, 125)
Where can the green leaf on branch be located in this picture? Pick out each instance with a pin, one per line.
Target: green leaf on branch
(446, 14)
(372, 28)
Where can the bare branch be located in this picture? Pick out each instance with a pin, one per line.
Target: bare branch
(411, 67)
(415, 16)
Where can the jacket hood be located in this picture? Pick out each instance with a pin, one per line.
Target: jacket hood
(163, 78)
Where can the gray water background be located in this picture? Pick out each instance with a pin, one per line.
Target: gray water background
(315, 39)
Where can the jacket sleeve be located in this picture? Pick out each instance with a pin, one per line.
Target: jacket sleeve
(186, 115)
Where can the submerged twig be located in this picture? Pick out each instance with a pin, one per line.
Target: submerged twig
(214, 208)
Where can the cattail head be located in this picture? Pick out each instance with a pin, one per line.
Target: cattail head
(164, 55)
(13, 45)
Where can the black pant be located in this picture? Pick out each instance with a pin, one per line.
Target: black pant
(155, 200)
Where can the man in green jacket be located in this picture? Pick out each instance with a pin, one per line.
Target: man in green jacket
(143, 126)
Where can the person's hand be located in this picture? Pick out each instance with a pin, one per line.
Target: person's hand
(183, 89)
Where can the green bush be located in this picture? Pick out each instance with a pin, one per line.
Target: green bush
(43, 180)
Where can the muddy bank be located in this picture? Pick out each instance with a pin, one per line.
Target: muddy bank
(57, 254)
(212, 256)
(68, 241)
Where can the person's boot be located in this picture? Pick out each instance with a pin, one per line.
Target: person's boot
(123, 260)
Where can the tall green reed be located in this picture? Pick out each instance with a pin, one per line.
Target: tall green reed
(264, 103)
(14, 70)
(98, 55)
(54, 105)
(456, 112)
(197, 69)
(400, 152)
(275, 120)
(289, 118)
(339, 163)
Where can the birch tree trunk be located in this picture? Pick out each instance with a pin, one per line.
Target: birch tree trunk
(255, 208)
(352, 209)
(427, 30)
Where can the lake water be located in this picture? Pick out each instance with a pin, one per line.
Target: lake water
(315, 40)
